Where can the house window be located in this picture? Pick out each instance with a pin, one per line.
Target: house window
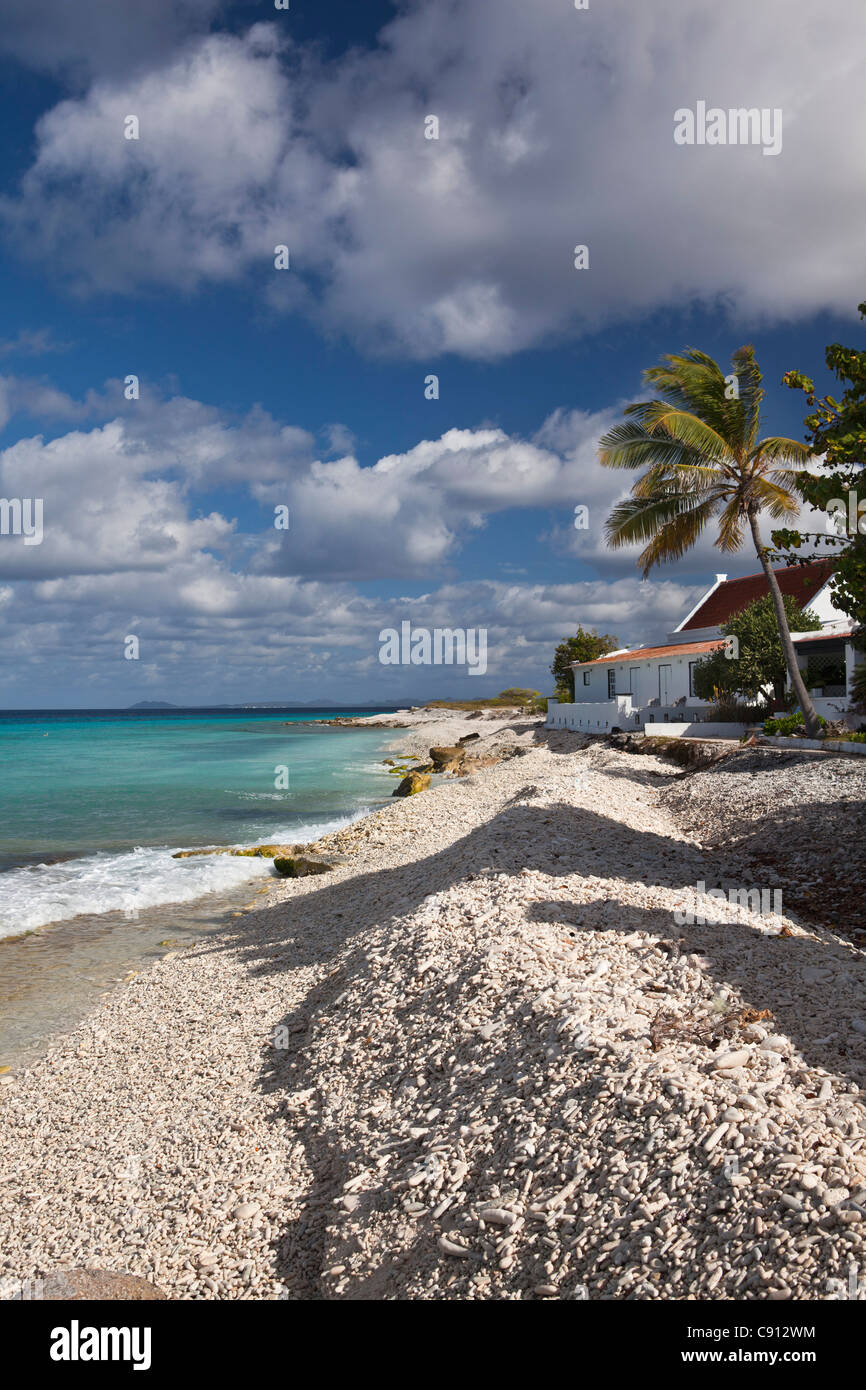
(587, 677)
(692, 665)
(611, 682)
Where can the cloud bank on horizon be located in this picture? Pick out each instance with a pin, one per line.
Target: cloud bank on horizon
(555, 128)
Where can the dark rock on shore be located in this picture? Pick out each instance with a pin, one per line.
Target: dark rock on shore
(412, 784)
(447, 759)
(301, 866)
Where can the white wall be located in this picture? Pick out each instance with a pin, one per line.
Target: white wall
(637, 678)
(694, 730)
(587, 718)
(610, 714)
(834, 707)
(823, 607)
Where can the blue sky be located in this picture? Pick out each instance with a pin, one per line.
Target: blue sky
(305, 387)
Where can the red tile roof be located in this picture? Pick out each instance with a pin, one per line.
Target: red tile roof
(824, 637)
(640, 653)
(802, 582)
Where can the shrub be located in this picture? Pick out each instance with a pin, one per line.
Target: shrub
(791, 724)
(735, 712)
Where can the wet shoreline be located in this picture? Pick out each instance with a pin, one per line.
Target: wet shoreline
(51, 978)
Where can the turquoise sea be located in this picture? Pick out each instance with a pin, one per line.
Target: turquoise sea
(94, 803)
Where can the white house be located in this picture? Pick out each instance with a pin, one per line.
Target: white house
(633, 687)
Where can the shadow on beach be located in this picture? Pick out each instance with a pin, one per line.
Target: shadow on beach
(558, 840)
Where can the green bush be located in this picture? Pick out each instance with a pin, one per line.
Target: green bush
(789, 725)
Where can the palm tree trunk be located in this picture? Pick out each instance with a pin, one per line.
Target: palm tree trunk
(810, 714)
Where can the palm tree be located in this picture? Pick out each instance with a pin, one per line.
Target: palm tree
(702, 458)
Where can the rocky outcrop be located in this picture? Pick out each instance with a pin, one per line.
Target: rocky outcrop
(260, 852)
(412, 784)
(689, 753)
(255, 852)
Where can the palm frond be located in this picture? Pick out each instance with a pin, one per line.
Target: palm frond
(660, 418)
(750, 394)
(675, 537)
(693, 478)
(776, 447)
(670, 523)
(731, 527)
(772, 498)
(630, 446)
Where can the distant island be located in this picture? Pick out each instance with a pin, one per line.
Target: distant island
(152, 704)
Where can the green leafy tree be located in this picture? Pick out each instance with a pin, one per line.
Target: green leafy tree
(586, 645)
(518, 695)
(702, 458)
(760, 659)
(837, 431)
(716, 678)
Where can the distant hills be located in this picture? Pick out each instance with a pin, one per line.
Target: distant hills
(308, 704)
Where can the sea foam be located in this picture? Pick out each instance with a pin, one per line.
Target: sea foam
(130, 881)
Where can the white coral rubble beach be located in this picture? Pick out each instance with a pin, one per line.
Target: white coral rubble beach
(478, 1060)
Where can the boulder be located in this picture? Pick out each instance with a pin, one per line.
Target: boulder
(301, 865)
(447, 759)
(412, 784)
(468, 738)
(104, 1284)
